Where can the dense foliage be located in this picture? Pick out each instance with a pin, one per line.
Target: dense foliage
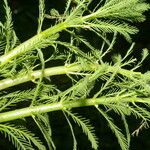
(28, 89)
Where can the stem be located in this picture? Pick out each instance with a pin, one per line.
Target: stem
(32, 43)
(68, 69)
(29, 111)
(36, 40)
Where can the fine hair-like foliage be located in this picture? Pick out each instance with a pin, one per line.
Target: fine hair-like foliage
(107, 86)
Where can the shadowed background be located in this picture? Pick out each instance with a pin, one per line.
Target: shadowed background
(25, 15)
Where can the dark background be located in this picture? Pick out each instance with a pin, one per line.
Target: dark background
(25, 13)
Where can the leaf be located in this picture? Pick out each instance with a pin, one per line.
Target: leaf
(72, 132)
(54, 12)
(112, 26)
(20, 137)
(86, 127)
(121, 138)
(43, 123)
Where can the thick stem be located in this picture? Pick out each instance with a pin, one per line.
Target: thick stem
(29, 111)
(32, 43)
(68, 69)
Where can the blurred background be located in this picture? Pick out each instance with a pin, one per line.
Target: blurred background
(25, 14)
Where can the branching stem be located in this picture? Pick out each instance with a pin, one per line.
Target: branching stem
(68, 69)
(47, 72)
(29, 111)
(31, 43)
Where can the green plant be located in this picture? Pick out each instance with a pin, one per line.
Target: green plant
(93, 81)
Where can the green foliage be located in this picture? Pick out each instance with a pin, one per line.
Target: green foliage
(21, 137)
(86, 127)
(108, 86)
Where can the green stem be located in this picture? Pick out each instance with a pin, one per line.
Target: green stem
(47, 72)
(36, 40)
(68, 69)
(44, 108)
(31, 43)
